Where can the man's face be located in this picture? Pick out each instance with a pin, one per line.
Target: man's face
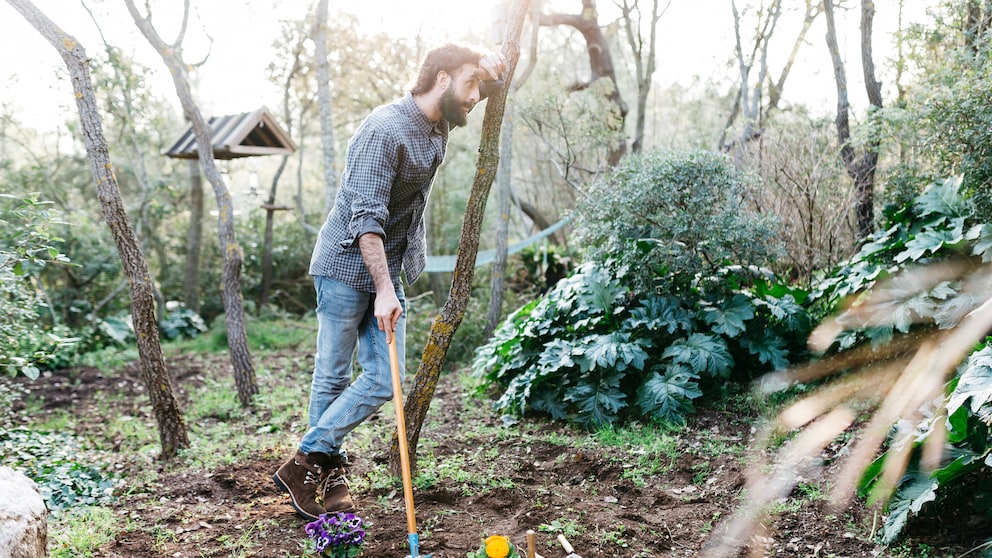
(461, 95)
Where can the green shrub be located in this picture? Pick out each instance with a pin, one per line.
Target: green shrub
(938, 226)
(181, 322)
(669, 304)
(667, 218)
(26, 247)
(594, 352)
(52, 461)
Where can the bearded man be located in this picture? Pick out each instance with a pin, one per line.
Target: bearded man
(375, 229)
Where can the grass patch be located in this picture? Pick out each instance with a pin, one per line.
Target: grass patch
(264, 334)
(644, 451)
(82, 531)
(109, 358)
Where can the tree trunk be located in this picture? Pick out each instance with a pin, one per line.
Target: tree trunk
(861, 168)
(324, 103)
(600, 61)
(450, 317)
(504, 180)
(503, 172)
(263, 297)
(748, 101)
(644, 59)
(171, 425)
(237, 338)
(194, 238)
(301, 211)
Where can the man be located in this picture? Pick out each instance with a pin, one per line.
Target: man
(375, 228)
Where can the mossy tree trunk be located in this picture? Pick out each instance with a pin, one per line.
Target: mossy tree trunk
(237, 338)
(171, 425)
(450, 317)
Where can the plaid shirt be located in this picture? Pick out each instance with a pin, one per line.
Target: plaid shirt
(391, 162)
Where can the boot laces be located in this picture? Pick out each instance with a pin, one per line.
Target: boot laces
(335, 477)
(313, 475)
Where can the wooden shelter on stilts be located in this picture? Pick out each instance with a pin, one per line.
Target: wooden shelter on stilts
(248, 134)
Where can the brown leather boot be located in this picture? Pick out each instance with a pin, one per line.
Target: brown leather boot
(333, 490)
(300, 476)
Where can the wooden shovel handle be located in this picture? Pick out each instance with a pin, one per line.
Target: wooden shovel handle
(565, 544)
(394, 365)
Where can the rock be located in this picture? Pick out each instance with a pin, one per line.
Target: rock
(23, 517)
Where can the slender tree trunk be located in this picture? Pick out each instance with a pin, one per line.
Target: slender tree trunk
(861, 168)
(503, 172)
(237, 338)
(263, 297)
(194, 238)
(504, 182)
(644, 58)
(127, 136)
(324, 102)
(171, 425)
(748, 101)
(300, 159)
(450, 317)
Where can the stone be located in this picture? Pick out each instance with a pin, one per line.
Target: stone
(23, 517)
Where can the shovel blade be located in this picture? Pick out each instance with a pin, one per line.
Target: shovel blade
(414, 541)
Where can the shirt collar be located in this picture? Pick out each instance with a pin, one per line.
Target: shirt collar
(420, 119)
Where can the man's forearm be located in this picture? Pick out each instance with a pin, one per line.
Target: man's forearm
(374, 254)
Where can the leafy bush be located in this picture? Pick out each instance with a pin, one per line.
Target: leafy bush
(669, 303)
(666, 218)
(181, 322)
(969, 410)
(594, 352)
(937, 226)
(26, 246)
(957, 118)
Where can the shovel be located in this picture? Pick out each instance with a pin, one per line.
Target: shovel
(411, 519)
(567, 546)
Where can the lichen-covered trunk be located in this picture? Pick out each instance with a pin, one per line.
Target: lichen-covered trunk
(171, 425)
(453, 311)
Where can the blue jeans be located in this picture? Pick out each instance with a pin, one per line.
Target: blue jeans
(337, 404)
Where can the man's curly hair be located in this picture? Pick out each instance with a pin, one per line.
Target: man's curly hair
(449, 58)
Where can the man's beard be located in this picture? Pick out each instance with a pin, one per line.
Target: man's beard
(454, 110)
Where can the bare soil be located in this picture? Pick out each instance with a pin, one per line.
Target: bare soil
(236, 510)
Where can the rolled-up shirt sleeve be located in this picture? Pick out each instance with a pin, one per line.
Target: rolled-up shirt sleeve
(371, 169)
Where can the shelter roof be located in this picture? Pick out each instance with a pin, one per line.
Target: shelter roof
(237, 135)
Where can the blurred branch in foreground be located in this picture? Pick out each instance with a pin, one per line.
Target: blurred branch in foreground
(946, 311)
